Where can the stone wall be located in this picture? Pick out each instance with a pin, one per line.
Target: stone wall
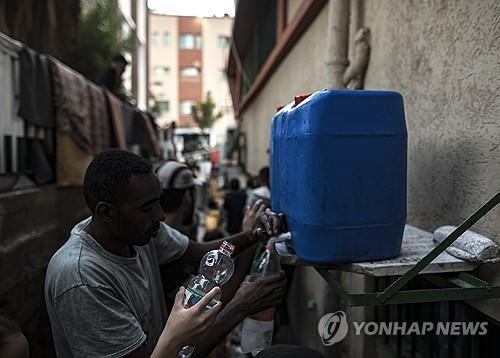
(34, 223)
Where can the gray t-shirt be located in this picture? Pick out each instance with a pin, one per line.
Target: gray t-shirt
(104, 305)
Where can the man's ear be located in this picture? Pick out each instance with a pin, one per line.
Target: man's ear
(105, 211)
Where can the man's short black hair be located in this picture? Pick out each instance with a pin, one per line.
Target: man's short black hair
(109, 173)
(119, 58)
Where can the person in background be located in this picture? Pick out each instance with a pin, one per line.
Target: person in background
(212, 222)
(178, 194)
(252, 183)
(112, 76)
(171, 149)
(263, 192)
(234, 204)
(13, 343)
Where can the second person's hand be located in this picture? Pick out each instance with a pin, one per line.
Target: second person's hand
(261, 294)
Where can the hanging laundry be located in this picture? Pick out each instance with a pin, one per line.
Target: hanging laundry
(75, 142)
(38, 163)
(11, 126)
(101, 126)
(139, 131)
(72, 161)
(36, 105)
(116, 114)
(151, 133)
(132, 132)
(72, 104)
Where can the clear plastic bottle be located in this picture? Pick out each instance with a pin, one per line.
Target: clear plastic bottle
(257, 329)
(216, 268)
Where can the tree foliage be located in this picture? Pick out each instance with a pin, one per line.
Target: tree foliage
(100, 38)
(204, 112)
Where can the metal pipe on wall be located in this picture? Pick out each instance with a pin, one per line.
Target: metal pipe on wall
(338, 38)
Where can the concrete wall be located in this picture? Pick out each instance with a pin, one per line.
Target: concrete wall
(34, 223)
(297, 74)
(442, 56)
(291, 9)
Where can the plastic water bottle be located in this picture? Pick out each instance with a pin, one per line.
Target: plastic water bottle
(257, 329)
(216, 268)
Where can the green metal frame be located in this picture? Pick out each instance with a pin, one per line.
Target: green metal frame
(467, 286)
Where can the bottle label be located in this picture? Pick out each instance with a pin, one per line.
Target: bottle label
(267, 315)
(193, 296)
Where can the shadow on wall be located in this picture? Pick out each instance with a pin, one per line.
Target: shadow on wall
(450, 178)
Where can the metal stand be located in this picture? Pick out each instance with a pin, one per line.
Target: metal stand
(466, 286)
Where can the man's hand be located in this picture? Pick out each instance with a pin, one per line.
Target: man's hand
(251, 297)
(261, 294)
(184, 325)
(252, 214)
(268, 224)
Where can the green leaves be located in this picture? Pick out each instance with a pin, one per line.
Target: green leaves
(203, 112)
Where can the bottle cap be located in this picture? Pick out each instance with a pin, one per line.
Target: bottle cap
(226, 248)
(300, 98)
(270, 247)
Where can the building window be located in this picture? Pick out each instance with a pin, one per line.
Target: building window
(163, 106)
(223, 41)
(197, 41)
(190, 72)
(190, 41)
(222, 74)
(186, 41)
(155, 38)
(157, 83)
(161, 70)
(186, 107)
(166, 39)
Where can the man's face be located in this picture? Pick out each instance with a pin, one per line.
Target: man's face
(139, 211)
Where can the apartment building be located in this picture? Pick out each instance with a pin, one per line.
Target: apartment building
(187, 59)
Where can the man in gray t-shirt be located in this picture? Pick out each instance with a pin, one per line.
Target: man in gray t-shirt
(119, 296)
(103, 289)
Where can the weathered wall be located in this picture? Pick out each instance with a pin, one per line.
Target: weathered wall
(443, 56)
(291, 9)
(302, 71)
(33, 225)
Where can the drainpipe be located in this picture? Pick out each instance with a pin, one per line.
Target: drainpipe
(338, 37)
